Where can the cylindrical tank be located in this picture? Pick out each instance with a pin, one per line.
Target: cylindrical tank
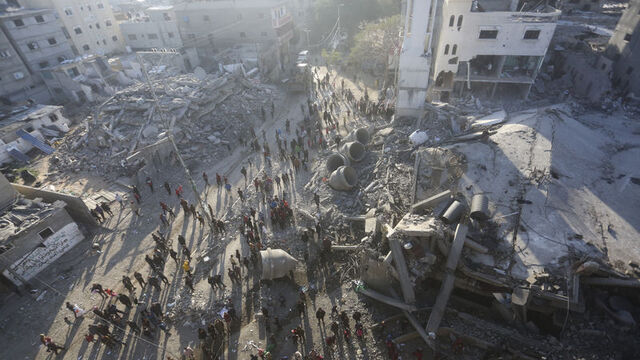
(353, 150)
(479, 207)
(336, 160)
(343, 178)
(276, 263)
(453, 213)
(360, 135)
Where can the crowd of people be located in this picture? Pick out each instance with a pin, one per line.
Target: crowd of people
(318, 128)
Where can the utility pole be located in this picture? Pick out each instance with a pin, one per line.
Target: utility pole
(307, 31)
(173, 144)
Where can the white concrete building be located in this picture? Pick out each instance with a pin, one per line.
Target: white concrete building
(90, 24)
(483, 46)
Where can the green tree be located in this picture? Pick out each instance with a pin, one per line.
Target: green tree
(333, 57)
(374, 43)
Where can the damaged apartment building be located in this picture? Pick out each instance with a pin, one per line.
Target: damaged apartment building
(33, 234)
(155, 29)
(480, 46)
(254, 32)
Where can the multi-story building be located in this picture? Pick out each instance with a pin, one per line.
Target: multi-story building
(265, 25)
(80, 80)
(624, 51)
(30, 41)
(483, 46)
(155, 27)
(90, 24)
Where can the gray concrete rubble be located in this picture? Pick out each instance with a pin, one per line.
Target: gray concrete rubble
(203, 115)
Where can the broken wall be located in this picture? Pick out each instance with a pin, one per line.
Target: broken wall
(75, 205)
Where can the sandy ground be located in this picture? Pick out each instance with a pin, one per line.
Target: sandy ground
(126, 238)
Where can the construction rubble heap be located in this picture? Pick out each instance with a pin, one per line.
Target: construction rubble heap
(461, 227)
(204, 115)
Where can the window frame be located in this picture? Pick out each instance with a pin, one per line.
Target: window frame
(494, 32)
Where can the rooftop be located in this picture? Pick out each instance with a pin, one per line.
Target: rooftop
(22, 215)
(25, 113)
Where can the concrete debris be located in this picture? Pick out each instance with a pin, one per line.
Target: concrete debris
(190, 105)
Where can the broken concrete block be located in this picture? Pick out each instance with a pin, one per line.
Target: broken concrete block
(430, 202)
(520, 296)
(276, 263)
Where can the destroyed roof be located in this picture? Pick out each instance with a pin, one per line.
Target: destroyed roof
(560, 189)
(24, 214)
(26, 113)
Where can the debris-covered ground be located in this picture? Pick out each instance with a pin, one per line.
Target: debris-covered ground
(479, 230)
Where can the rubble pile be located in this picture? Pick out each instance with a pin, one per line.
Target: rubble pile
(452, 212)
(204, 116)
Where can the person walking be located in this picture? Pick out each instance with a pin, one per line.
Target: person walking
(51, 346)
(126, 281)
(188, 281)
(106, 208)
(98, 289)
(140, 279)
(320, 313)
(243, 171)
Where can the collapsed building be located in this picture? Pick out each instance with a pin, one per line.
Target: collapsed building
(130, 130)
(473, 232)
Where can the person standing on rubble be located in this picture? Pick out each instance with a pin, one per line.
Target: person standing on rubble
(135, 190)
(243, 171)
(205, 178)
(167, 187)
(120, 200)
(106, 208)
(218, 180)
(149, 183)
(135, 208)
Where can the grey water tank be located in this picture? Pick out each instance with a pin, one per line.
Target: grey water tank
(276, 263)
(336, 160)
(353, 150)
(343, 178)
(479, 207)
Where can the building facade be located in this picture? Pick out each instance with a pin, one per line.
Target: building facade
(90, 24)
(155, 27)
(80, 80)
(264, 25)
(624, 51)
(482, 46)
(489, 46)
(31, 40)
